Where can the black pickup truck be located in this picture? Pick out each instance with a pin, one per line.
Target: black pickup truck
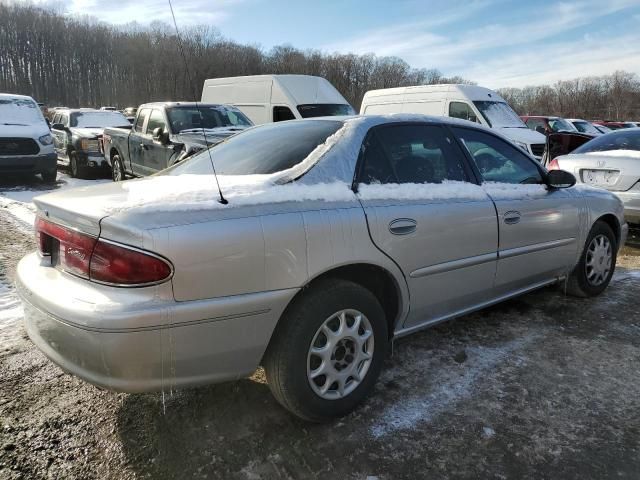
(165, 133)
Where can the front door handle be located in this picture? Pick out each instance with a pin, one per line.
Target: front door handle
(511, 218)
(402, 226)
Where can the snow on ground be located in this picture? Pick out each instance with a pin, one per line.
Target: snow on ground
(10, 310)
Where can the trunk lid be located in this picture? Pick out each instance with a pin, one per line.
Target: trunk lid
(614, 173)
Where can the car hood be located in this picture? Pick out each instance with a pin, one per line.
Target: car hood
(621, 172)
(24, 131)
(212, 136)
(523, 135)
(86, 132)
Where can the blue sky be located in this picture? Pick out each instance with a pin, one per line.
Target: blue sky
(496, 43)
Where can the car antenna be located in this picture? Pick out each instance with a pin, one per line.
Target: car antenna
(222, 200)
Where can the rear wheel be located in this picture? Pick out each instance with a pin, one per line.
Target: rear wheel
(598, 261)
(327, 351)
(117, 169)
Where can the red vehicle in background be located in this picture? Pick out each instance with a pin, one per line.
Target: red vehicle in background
(547, 124)
(615, 125)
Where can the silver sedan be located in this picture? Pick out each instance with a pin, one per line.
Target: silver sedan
(612, 162)
(317, 243)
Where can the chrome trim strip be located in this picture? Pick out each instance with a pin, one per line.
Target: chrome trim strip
(536, 247)
(409, 330)
(454, 265)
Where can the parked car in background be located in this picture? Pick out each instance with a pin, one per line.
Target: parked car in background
(337, 235)
(166, 133)
(612, 162)
(584, 126)
(546, 125)
(274, 98)
(26, 144)
(109, 109)
(601, 128)
(614, 125)
(467, 102)
(52, 111)
(77, 136)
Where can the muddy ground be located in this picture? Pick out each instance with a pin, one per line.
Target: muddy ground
(544, 386)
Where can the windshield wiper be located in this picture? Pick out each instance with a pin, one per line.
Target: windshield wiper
(19, 124)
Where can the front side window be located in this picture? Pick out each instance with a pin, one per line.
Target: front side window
(142, 116)
(411, 154)
(561, 125)
(497, 160)
(266, 149)
(156, 120)
(280, 114)
(462, 110)
(325, 110)
(499, 114)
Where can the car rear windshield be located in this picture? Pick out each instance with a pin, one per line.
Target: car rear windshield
(265, 149)
(19, 111)
(192, 118)
(100, 119)
(618, 140)
(499, 114)
(325, 110)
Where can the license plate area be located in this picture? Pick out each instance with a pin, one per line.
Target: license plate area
(602, 178)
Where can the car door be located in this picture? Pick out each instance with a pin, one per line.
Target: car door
(538, 226)
(136, 145)
(60, 134)
(155, 155)
(443, 236)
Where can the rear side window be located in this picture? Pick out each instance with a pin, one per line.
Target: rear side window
(280, 114)
(462, 110)
(137, 127)
(497, 160)
(411, 154)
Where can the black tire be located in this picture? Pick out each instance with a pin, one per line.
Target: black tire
(579, 283)
(117, 169)
(285, 362)
(49, 176)
(75, 169)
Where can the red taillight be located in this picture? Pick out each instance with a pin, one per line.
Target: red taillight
(111, 263)
(553, 165)
(98, 260)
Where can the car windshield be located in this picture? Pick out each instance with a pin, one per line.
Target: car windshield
(586, 127)
(19, 111)
(325, 110)
(618, 140)
(265, 149)
(100, 119)
(499, 114)
(561, 125)
(205, 116)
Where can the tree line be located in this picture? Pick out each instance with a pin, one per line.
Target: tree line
(609, 97)
(80, 62)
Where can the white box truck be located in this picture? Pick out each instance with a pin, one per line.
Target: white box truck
(274, 98)
(469, 102)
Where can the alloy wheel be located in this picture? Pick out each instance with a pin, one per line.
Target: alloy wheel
(598, 261)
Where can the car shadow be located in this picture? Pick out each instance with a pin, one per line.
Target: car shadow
(21, 181)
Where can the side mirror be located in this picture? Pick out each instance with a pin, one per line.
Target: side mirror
(159, 135)
(560, 179)
(472, 118)
(57, 126)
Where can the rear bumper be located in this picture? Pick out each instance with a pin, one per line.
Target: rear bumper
(139, 340)
(631, 201)
(29, 163)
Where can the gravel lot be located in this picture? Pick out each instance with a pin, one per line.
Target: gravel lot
(543, 386)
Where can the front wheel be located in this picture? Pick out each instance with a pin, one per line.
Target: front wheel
(76, 170)
(327, 351)
(597, 262)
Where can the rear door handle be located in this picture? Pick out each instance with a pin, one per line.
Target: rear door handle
(511, 218)
(402, 226)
